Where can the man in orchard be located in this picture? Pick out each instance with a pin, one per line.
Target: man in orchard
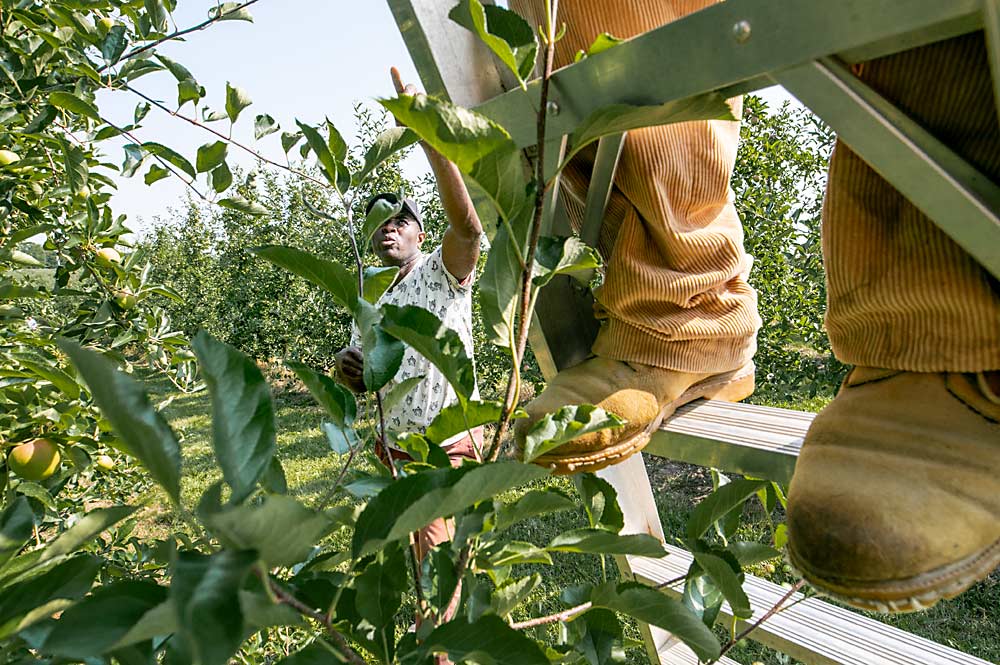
(439, 281)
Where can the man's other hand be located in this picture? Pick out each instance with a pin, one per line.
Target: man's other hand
(351, 368)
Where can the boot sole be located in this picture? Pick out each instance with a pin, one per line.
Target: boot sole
(728, 387)
(905, 595)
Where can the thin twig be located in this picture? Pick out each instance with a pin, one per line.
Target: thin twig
(180, 33)
(565, 615)
(671, 582)
(286, 598)
(224, 137)
(167, 165)
(757, 624)
(526, 298)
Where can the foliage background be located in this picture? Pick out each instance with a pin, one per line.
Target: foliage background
(266, 312)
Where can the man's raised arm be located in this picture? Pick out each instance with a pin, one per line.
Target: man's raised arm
(460, 246)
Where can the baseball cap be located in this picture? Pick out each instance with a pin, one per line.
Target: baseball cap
(408, 206)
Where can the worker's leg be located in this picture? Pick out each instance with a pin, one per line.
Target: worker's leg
(679, 312)
(895, 501)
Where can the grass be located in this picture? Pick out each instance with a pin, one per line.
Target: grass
(970, 623)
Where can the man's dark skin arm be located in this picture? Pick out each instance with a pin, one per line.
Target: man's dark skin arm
(460, 246)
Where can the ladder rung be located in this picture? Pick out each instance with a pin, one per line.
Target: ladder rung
(753, 440)
(679, 654)
(813, 631)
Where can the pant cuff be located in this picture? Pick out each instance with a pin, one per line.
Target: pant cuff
(619, 340)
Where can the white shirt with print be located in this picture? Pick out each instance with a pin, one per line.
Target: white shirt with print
(428, 285)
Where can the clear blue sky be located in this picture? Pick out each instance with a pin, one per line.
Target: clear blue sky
(305, 59)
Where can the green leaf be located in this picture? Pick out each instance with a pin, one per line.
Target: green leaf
(134, 156)
(289, 139)
(158, 14)
(702, 597)
(385, 146)
(562, 256)
(601, 43)
(97, 623)
(748, 553)
(566, 424)
(535, 502)
(314, 654)
(327, 162)
(237, 99)
(281, 530)
(337, 401)
(211, 155)
(383, 353)
(487, 640)
(380, 212)
(511, 593)
(377, 281)
(341, 437)
(424, 332)
(156, 172)
(17, 523)
(380, 588)
(499, 288)
(46, 370)
(143, 431)
(230, 11)
(114, 44)
(68, 580)
(205, 593)
(169, 155)
(208, 115)
(460, 417)
(338, 281)
(600, 501)
(505, 33)
(618, 118)
(460, 135)
(243, 432)
(259, 611)
(241, 204)
(718, 504)
(159, 621)
(399, 392)
(652, 607)
(263, 125)
(727, 581)
(602, 541)
(220, 177)
(85, 530)
(67, 101)
(415, 501)
(336, 143)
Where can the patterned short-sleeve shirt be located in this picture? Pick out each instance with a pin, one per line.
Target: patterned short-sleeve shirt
(431, 286)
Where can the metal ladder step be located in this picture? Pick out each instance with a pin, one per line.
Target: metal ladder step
(812, 630)
(679, 654)
(759, 441)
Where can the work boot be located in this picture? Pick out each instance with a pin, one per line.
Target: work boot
(895, 501)
(642, 395)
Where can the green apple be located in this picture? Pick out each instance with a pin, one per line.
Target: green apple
(125, 299)
(104, 463)
(8, 157)
(34, 460)
(108, 256)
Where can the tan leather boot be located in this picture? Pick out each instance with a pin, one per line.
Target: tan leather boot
(895, 501)
(641, 394)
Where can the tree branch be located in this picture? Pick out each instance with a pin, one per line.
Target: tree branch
(180, 33)
(565, 615)
(225, 138)
(757, 624)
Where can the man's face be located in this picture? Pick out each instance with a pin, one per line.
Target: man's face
(398, 240)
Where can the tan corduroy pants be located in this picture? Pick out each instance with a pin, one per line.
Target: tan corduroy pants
(901, 294)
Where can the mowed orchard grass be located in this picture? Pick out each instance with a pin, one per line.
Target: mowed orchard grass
(970, 623)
